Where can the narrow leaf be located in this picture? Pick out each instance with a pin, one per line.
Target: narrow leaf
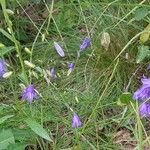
(6, 34)
(3, 119)
(38, 129)
(5, 50)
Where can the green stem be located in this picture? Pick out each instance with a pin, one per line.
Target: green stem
(17, 45)
(140, 135)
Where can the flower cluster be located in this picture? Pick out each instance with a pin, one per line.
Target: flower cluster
(29, 93)
(143, 95)
(76, 122)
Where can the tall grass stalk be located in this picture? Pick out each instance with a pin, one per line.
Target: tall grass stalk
(17, 45)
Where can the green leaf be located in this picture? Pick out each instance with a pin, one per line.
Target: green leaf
(17, 146)
(3, 106)
(124, 99)
(22, 76)
(24, 135)
(21, 35)
(38, 129)
(141, 13)
(3, 119)
(145, 35)
(6, 138)
(6, 34)
(4, 50)
(143, 52)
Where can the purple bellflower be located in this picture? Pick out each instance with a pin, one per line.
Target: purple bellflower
(29, 93)
(70, 68)
(52, 73)
(76, 122)
(3, 67)
(148, 67)
(144, 110)
(143, 93)
(59, 49)
(85, 44)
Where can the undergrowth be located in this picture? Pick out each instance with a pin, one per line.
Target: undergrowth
(95, 89)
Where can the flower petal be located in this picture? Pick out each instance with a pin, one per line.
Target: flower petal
(142, 94)
(145, 81)
(52, 73)
(3, 67)
(144, 110)
(76, 122)
(29, 93)
(59, 49)
(85, 44)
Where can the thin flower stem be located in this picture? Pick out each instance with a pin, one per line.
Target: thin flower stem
(17, 45)
(139, 121)
(130, 13)
(87, 30)
(130, 42)
(77, 136)
(103, 93)
(140, 147)
(130, 80)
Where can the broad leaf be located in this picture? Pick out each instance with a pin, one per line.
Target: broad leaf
(24, 135)
(17, 146)
(143, 52)
(6, 138)
(141, 13)
(38, 129)
(125, 99)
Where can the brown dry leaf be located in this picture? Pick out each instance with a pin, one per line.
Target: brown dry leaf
(105, 40)
(122, 135)
(124, 139)
(147, 147)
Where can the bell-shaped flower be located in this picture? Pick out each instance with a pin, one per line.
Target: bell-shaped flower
(85, 44)
(148, 67)
(143, 93)
(29, 93)
(3, 67)
(59, 49)
(144, 109)
(52, 73)
(70, 68)
(76, 122)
